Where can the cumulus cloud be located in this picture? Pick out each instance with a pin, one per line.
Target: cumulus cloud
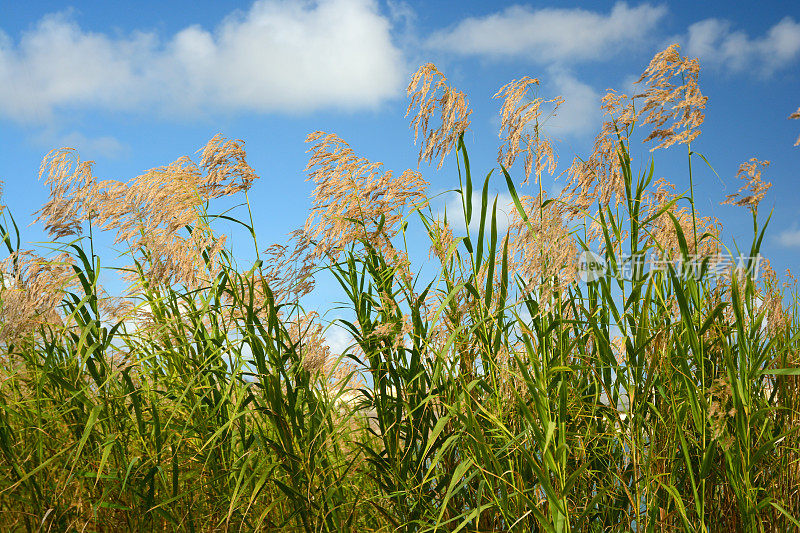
(716, 43)
(550, 34)
(790, 238)
(277, 56)
(58, 64)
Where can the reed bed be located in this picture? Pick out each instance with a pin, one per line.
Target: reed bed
(599, 366)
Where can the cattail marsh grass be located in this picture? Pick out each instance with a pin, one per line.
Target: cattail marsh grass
(500, 390)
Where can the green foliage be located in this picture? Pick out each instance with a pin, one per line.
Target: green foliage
(502, 406)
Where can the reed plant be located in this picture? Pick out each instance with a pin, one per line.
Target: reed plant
(513, 386)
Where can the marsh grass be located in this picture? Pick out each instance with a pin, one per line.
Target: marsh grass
(497, 394)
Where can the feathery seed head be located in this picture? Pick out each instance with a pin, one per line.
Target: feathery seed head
(521, 124)
(307, 334)
(600, 178)
(751, 193)
(31, 288)
(795, 115)
(430, 92)
(149, 211)
(72, 190)
(353, 199)
(441, 240)
(673, 103)
(542, 249)
(661, 232)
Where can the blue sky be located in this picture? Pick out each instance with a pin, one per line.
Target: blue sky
(133, 85)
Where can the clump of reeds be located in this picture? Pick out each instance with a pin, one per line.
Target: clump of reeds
(501, 390)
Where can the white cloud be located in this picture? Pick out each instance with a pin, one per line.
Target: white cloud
(580, 112)
(277, 56)
(550, 34)
(338, 339)
(401, 12)
(455, 213)
(88, 147)
(57, 64)
(790, 237)
(716, 43)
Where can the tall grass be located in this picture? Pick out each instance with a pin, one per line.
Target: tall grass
(497, 391)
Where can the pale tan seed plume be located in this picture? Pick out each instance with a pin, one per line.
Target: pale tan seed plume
(619, 349)
(662, 234)
(72, 188)
(354, 199)
(751, 193)
(441, 241)
(150, 212)
(796, 115)
(771, 296)
(431, 93)
(721, 408)
(225, 168)
(31, 288)
(395, 325)
(289, 268)
(307, 335)
(542, 249)
(522, 125)
(673, 103)
(599, 177)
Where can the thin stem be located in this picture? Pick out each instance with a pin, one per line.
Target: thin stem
(691, 195)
